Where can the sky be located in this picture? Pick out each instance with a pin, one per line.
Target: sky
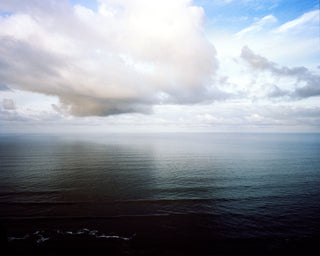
(159, 66)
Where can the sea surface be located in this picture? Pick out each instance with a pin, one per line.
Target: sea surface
(160, 194)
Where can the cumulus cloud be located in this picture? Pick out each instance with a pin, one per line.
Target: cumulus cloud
(8, 104)
(126, 57)
(308, 81)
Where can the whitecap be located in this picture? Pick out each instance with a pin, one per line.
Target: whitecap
(42, 239)
(42, 236)
(12, 238)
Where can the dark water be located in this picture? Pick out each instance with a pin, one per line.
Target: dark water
(160, 194)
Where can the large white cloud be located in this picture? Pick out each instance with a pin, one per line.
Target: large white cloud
(131, 55)
(123, 58)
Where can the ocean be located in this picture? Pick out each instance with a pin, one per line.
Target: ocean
(160, 194)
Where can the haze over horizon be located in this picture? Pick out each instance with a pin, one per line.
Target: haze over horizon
(140, 66)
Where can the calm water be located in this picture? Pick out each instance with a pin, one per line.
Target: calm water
(168, 191)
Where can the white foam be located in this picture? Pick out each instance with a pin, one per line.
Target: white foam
(93, 232)
(12, 238)
(42, 239)
(114, 237)
(37, 234)
(42, 236)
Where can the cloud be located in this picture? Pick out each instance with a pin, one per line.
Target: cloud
(308, 81)
(126, 57)
(242, 115)
(300, 23)
(257, 26)
(263, 116)
(8, 104)
(276, 92)
(4, 87)
(298, 45)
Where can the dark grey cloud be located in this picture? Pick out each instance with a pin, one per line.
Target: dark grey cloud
(310, 80)
(276, 92)
(312, 87)
(80, 105)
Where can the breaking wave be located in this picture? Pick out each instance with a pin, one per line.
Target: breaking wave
(41, 236)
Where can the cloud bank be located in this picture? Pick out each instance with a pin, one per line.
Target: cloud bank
(126, 57)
